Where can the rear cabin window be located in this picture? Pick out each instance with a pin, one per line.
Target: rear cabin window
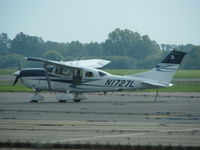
(89, 74)
(102, 74)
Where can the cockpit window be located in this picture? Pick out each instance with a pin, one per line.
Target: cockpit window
(89, 74)
(102, 74)
(50, 69)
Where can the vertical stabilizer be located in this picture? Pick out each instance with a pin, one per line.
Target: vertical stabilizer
(165, 70)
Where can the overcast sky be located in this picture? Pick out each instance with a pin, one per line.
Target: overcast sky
(165, 21)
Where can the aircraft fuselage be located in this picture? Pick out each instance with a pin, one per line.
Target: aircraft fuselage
(88, 81)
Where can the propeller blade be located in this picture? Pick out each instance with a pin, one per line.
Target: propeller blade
(16, 79)
(17, 74)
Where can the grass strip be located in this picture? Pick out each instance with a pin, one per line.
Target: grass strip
(180, 74)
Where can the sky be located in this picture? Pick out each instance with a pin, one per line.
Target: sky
(165, 21)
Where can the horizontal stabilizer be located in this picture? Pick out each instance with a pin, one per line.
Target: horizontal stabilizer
(156, 83)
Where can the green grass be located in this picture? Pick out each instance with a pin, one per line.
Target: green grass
(180, 74)
(7, 71)
(187, 74)
(18, 88)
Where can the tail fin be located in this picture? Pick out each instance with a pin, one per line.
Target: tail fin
(165, 70)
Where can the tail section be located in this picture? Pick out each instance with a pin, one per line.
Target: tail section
(165, 70)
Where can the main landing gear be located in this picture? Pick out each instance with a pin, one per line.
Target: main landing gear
(36, 97)
(79, 96)
(76, 97)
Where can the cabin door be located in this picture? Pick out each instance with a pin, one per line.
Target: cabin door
(77, 76)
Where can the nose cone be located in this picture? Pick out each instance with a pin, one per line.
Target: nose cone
(17, 73)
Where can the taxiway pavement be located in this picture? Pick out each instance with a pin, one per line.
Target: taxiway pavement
(125, 118)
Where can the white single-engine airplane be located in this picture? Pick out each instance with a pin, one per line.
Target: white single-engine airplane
(75, 78)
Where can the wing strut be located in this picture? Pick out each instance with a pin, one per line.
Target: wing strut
(47, 76)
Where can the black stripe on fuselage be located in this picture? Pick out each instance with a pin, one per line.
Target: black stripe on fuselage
(32, 72)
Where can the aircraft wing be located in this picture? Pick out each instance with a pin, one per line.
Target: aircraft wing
(88, 63)
(47, 62)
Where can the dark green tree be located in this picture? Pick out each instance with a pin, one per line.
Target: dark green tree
(192, 59)
(10, 61)
(4, 43)
(76, 49)
(27, 45)
(94, 49)
(53, 55)
(128, 43)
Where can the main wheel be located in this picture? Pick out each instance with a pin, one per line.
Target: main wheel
(77, 100)
(34, 101)
(62, 101)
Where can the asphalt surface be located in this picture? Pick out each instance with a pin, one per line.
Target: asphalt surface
(125, 118)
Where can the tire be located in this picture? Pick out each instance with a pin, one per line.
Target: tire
(34, 101)
(62, 101)
(77, 100)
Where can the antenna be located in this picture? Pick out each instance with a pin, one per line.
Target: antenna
(129, 70)
(74, 60)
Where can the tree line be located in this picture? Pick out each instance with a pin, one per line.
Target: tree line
(126, 49)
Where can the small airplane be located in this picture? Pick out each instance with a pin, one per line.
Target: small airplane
(75, 78)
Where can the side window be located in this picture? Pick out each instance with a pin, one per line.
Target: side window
(102, 74)
(89, 74)
(63, 71)
(66, 71)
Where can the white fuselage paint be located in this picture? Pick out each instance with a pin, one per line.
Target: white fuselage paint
(96, 83)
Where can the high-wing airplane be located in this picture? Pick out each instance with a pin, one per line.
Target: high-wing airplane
(75, 78)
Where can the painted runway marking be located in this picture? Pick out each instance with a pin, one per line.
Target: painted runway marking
(122, 135)
(180, 130)
(97, 137)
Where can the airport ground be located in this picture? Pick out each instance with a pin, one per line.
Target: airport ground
(126, 118)
(115, 118)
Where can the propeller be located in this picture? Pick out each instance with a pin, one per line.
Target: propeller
(17, 74)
